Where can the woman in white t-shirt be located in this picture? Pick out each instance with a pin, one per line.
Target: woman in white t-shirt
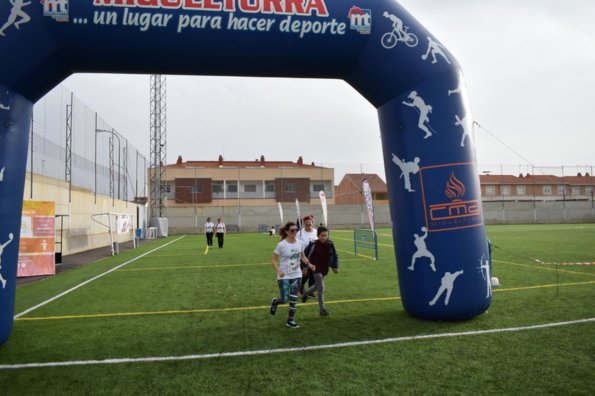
(209, 225)
(220, 230)
(286, 262)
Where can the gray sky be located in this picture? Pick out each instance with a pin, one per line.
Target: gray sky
(529, 67)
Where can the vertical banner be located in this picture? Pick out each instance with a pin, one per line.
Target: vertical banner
(299, 215)
(123, 224)
(322, 196)
(36, 247)
(369, 203)
(280, 212)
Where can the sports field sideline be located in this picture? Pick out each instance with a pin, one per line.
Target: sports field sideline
(167, 318)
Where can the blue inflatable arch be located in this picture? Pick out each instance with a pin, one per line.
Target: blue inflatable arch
(374, 45)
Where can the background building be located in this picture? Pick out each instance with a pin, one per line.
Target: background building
(349, 190)
(223, 183)
(537, 187)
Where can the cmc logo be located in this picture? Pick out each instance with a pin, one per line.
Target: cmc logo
(361, 20)
(448, 204)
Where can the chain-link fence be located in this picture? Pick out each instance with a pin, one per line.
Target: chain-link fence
(70, 142)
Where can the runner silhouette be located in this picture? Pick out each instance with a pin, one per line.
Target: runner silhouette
(16, 12)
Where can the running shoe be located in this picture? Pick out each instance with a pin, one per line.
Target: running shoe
(293, 324)
(273, 309)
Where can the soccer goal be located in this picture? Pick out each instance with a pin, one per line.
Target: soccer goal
(365, 239)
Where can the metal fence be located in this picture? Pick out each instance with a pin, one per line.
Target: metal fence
(70, 142)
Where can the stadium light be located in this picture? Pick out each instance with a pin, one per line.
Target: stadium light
(113, 134)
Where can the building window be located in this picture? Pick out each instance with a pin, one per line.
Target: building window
(269, 187)
(250, 188)
(197, 188)
(232, 187)
(490, 191)
(317, 187)
(505, 190)
(547, 190)
(589, 191)
(217, 187)
(290, 188)
(520, 190)
(166, 188)
(561, 190)
(576, 191)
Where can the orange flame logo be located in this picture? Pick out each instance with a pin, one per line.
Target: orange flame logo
(455, 189)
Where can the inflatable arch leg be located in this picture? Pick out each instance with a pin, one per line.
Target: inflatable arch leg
(376, 46)
(15, 116)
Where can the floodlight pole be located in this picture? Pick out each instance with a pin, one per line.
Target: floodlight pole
(114, 134)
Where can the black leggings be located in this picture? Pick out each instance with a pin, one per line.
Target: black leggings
(220, 237)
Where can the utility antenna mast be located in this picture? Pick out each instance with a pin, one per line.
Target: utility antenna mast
(158, 144)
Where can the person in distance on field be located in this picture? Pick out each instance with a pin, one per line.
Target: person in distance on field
(209, 225)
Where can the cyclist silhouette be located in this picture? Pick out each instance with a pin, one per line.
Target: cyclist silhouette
(399, 33)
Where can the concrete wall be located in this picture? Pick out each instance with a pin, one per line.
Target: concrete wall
(79, 232)
(247, 218)
(539, 212)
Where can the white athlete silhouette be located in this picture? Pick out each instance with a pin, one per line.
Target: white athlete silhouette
(467, 132)
(2, 246)
(424, 109)
(407, 169)
(422, 250)
(457, 90)
(2, 174)
(484, 268)
(446, 285)
(399, 33)
(16, 12)
(434, 48)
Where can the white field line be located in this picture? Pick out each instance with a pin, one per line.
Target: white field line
(295, 349)
(91, 280)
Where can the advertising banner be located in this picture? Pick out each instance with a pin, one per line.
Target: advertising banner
(36, 246)
(369, 203)
(123, 224)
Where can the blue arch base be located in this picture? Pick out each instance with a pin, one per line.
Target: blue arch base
(374, 45)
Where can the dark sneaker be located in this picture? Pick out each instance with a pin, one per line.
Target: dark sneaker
(304, 298)
(324, 312)
(273, 309)
(293, 324)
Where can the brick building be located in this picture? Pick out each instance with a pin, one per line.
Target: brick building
(537, 187)
(349, 190)
(258, 182)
